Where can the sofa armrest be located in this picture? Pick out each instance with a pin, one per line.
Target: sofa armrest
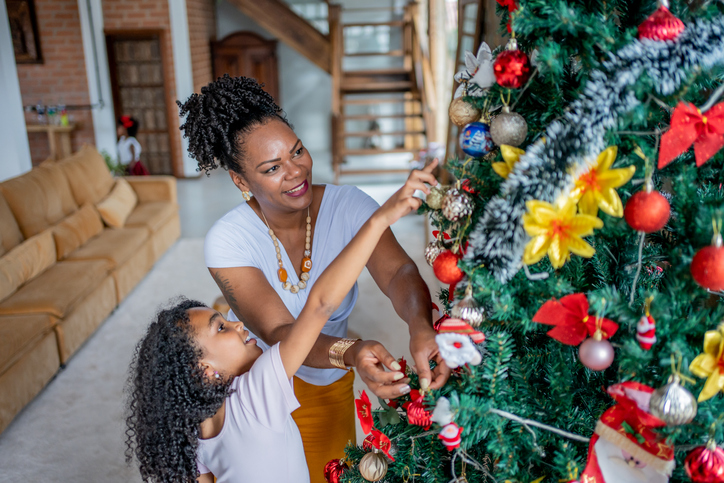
(153, 188)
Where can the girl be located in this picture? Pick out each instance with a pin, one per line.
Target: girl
(129, 149)
(206, 402)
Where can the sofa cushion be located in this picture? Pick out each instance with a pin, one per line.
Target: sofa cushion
(25, 262)
(152, 215)
(10, 235)
(39, 198)
(57, 290)
(88, 176)
(18, 332)
(119, 203)
(74, 231)
(113, 245)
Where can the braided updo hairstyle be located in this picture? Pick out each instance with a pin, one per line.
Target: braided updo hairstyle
(217, 119)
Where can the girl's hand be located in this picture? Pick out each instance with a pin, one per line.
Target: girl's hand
(403, 202)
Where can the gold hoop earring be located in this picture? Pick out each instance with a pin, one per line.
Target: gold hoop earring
(246, 195)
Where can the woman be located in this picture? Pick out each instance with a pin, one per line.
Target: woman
(266, 253)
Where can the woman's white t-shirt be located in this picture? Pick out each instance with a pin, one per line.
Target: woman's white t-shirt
(241, 239)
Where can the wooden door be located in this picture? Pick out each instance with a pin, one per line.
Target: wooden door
(139, 91)
(249, 55)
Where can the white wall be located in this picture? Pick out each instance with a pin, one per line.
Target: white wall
(305, 91)
(13, 137)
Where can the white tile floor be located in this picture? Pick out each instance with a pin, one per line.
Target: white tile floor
(203, 200)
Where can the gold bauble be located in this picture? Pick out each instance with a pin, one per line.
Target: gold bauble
(373, 466)
(462, 113)
(434, 199)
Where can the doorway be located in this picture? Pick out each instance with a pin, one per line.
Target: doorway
(249, 55)
(139, 90)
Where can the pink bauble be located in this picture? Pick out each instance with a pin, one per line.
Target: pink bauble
(597, 355)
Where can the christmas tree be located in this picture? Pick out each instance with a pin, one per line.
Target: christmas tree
(581, 241)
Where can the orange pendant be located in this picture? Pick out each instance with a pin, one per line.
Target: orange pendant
(282, 275)
(306, 264)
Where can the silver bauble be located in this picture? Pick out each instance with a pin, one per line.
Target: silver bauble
(468, 310)
(508, 128)
(456, 204)
(434, 199)
(462, 113)
(672, 403)
(373, 466)
(432, 250)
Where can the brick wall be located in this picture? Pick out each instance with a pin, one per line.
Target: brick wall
(62, 75)
(123, 16)
(202, 29)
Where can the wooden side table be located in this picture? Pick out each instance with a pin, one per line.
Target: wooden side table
(58, 138)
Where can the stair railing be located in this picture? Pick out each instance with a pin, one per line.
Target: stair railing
(422, 68)
(336, 38)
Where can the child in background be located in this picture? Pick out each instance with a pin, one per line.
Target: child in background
(129, 149)
(206, 402)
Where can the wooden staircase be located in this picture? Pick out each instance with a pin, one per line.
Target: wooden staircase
(379, 109)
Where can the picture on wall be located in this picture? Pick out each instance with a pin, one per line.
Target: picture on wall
(24, 31)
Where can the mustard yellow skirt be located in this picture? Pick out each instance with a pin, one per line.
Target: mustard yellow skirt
(325, 420)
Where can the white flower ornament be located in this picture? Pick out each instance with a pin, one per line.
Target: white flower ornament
(457, 350)
(478, 72)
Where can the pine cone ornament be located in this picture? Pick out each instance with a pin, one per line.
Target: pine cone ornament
(432, 250)
(456, 204)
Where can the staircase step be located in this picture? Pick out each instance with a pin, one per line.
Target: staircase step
(391, 23)
(394, 86)
(378, 72)
(366, 152)
(377, 100)
(369, 134)
(372, 117)
(391, 53)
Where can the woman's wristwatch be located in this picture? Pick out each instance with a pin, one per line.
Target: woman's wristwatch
(337, 350)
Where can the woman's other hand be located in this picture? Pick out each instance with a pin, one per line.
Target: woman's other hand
(370, 358)
(423, 349)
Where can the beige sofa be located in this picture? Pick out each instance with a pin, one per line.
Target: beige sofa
(74, 242)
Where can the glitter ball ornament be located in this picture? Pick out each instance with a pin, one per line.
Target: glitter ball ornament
(705, 464)
(672, 403)
(456, 204)
(647, 211)
(434, 199)
(508, 128)
(596, 353)
(511, 67)
(475, 139)
(661, 25)
(373, 466)
(707, 266)
(446, 267)
(418, 415)
(462, 113)
(432, 250)
(468, 309)
(333, 471)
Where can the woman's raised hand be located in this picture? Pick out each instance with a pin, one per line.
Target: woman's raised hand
(403, 202)
(370, 359)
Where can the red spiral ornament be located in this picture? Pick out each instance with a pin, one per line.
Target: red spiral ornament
(661, 25)
(705, 464)
(418, 415)
(333, 471)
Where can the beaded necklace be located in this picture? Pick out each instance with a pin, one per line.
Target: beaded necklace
(306, 261)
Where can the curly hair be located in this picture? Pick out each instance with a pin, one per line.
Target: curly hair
(168, 396)
(217, 119)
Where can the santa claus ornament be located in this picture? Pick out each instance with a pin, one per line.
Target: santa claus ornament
(646, 328)
(624, 447)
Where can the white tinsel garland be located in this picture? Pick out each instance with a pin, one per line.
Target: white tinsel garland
(499, 239)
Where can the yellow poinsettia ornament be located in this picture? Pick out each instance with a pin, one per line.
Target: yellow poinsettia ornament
(710, 364)
(557, 231)
(511, 155)
(596, 188)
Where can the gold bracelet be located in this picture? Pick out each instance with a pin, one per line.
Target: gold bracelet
(336, 352)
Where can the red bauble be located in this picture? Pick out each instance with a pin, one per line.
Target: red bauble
(647, 211)
(661, 25)
(446, 267)
(707, 267)
(705, 464)
(511, 67)
(333, 471)
(418, 415)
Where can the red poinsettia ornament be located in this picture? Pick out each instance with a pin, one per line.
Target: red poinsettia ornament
(364, 412)
(380, 441)
(572, 323)
(690, 126)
